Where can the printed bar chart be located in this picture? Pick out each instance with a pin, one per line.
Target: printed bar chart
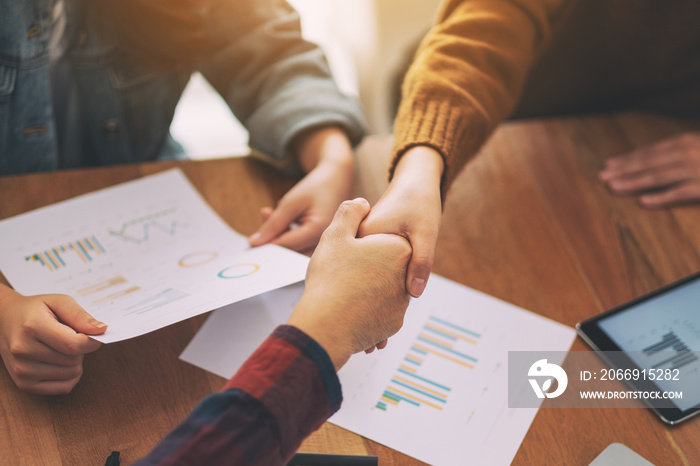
(55, 258)
(103, 285)
(439, 341)
(160, 299)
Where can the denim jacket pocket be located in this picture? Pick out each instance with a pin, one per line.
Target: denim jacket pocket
(8, 76)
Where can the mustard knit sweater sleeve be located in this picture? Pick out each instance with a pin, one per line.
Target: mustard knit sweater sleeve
(467, 76)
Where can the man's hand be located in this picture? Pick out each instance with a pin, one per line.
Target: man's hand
(355, 294)
(43, 340)
(327, 157)
(411, 207)
(662, 174)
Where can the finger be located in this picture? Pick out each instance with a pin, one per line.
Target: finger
(370, 350)
(34, 371)
(684, 193)
(649, 179)
(302, 238)
(420, 264)
(348, 217)
(276, 224)
(382, 344)
(266, 212)
(64, 339)
(73, 315)
(34, 350)
(51, 387)
(660, 154)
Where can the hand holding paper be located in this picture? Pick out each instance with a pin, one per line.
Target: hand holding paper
(43, 340)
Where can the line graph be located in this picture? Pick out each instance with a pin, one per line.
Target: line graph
(139, 230)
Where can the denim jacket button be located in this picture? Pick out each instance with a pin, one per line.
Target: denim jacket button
(33, 31)
(111, 127)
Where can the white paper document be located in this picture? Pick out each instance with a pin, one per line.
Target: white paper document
(438, 392)
(140, 255)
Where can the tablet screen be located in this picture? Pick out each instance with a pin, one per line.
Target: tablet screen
(663, 332)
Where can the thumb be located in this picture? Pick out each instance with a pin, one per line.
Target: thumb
(419, 268)
(70, 313)
(348, 217)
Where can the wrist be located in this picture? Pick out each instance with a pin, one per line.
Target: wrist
(420, 161)
(310, 322)
(327, 147)
(419, 166)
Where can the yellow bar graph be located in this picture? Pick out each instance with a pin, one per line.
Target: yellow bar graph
(393, 389)
(101, 286)
(423, 348)
(417, 385)
(436, 340)
(389, 400)
(117, 295)
(450, 333)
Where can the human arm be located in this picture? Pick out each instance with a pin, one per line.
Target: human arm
(43, 340)
(280, 87)
(466, 77)
(661, 174)
(354, 298)
(276, 83)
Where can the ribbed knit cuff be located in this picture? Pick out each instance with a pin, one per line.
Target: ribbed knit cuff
(440, 124)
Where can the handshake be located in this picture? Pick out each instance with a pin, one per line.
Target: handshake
(355, 296)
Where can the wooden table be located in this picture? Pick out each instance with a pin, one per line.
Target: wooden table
(527, 222)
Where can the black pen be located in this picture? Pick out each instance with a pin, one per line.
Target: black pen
(320, 459)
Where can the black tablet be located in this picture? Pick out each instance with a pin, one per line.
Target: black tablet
(656, 340)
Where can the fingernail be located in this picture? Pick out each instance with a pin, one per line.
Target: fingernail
(254, 237)
(97, 323)
(417, 287)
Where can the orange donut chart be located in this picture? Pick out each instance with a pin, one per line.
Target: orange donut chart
(197, 258)
(239, 270)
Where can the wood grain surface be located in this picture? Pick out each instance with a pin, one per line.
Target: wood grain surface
(527, 221)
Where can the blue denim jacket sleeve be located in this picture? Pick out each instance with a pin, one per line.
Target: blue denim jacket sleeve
(276, 83)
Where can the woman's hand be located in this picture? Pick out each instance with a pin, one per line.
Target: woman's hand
(662, 174)
(43, 340)
(308, 208)
(411, 207)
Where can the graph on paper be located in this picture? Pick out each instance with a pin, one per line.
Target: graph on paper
(57, 257)
(153, 225)
(140, 256)
(440, 347)
(439, 390)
